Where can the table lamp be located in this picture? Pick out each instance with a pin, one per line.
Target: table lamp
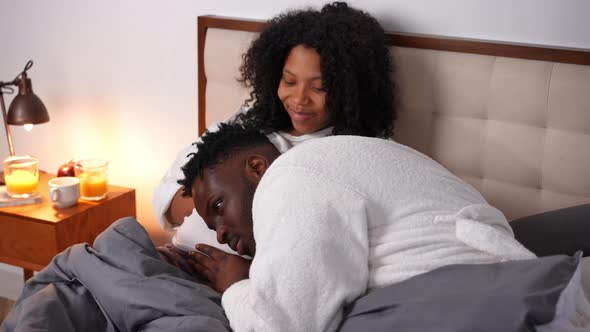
(26, 108)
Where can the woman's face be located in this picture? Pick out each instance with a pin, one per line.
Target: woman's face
(302, 93)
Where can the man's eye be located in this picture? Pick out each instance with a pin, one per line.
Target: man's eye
(218, 204)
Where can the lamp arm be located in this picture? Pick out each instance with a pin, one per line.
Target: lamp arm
(8, 86)
(6, 126)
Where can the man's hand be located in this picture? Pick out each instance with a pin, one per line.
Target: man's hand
(219, 269)
(181, 259)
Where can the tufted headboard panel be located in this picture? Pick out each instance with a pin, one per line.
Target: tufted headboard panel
(512, 120)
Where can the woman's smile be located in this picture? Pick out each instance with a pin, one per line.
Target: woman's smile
(301, 116)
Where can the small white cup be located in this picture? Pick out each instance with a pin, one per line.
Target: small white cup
(64, 191)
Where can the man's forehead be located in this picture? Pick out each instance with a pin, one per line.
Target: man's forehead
(202, 182)
(221, 174)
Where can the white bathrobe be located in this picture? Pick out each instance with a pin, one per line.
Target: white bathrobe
(193, 229)
(337, 216)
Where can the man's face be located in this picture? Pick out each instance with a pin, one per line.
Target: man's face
(223, 198)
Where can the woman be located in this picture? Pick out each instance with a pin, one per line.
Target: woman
(312, 74)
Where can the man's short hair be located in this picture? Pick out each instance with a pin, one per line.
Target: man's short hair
(217, 146)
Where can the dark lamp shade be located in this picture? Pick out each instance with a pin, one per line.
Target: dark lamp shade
(26, 107)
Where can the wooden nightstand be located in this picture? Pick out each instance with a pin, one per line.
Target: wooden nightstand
(30, 235)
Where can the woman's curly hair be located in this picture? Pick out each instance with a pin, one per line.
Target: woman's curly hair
(355, 64)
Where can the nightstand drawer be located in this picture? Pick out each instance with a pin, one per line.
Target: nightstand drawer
(26, 243)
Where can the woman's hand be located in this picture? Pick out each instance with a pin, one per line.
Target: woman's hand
(219, 269)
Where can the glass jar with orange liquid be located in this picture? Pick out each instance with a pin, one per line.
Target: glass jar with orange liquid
(21, 174)
(93, 178)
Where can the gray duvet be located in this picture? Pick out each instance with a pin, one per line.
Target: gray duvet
(120, 284)
(529, 295)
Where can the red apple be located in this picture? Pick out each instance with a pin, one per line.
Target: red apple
(67, 169)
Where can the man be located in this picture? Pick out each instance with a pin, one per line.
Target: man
(327, 221)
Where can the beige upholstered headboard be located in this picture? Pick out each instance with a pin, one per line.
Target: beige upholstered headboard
(512, 120)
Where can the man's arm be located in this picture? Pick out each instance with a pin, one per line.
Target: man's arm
(311, 257)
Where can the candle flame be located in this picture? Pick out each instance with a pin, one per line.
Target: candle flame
(28, 126)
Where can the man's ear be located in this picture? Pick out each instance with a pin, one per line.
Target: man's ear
(256, 166)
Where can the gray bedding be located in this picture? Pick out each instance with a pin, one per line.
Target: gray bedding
(508, 297)
(120, 284)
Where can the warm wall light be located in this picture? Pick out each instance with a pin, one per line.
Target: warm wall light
(26, 108)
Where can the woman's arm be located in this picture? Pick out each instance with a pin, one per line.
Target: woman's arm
(180, 207)
(169, 205)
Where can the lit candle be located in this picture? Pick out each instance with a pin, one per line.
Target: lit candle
(21, 182)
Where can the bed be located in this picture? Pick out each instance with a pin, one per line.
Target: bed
(511, 120)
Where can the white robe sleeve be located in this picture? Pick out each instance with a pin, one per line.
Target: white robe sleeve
(168, 186)
(311, 257)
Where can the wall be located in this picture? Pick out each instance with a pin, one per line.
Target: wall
(119, 76)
